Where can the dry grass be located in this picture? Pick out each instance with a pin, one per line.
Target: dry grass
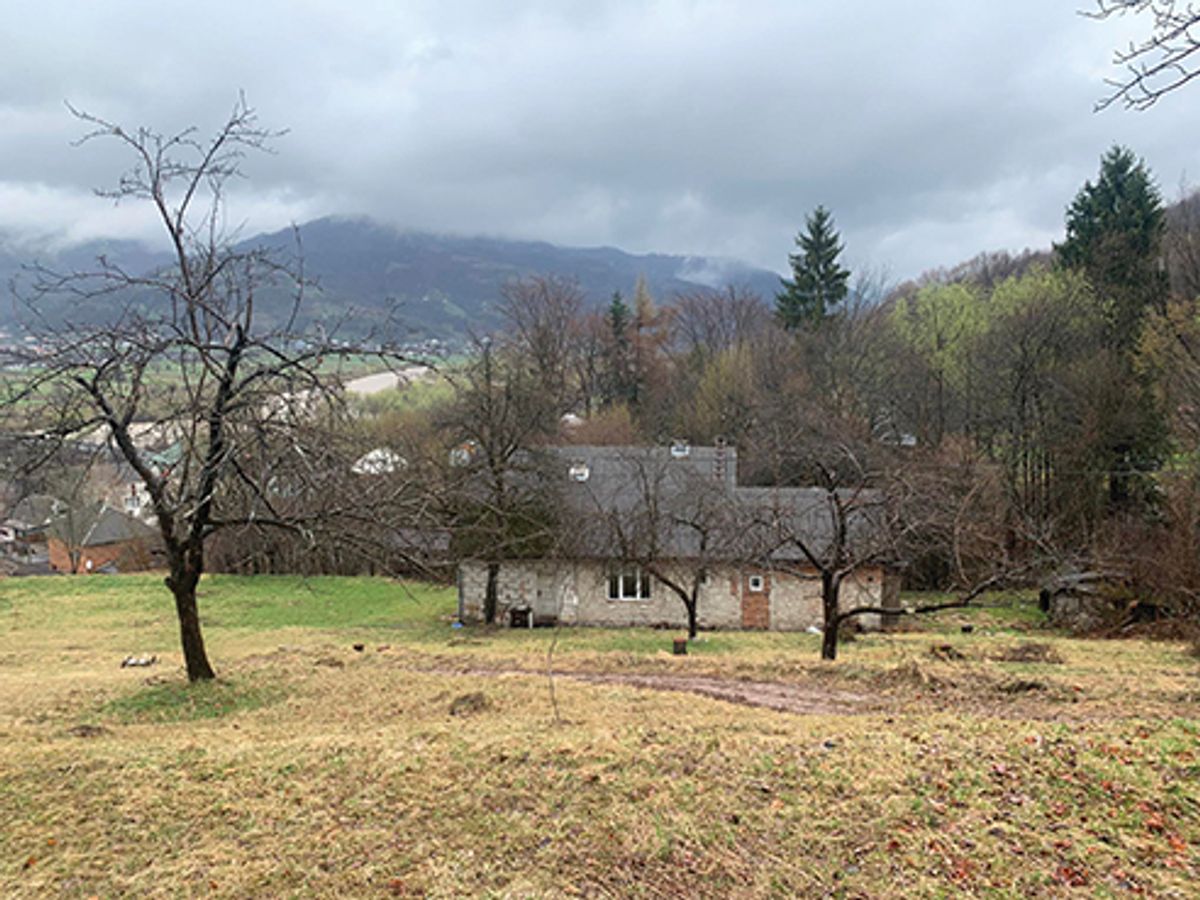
(316, 770)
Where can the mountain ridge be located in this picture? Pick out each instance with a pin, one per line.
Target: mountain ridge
(444, 285)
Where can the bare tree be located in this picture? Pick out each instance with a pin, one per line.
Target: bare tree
(706, 322)
(1182, 243)
(869, 507)
(1159, 63)
(184, 348)
(590, 347)
(542, 314)
(837, 526)
(357, 507)
(489, 492)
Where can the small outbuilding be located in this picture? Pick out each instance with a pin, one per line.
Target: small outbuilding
(98, 538)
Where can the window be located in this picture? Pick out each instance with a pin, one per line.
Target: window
(628, 583)
(756, 584)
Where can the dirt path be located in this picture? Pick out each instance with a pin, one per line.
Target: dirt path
(793, 698)
(808, 699)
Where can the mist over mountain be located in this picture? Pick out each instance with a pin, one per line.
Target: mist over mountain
(436, 285)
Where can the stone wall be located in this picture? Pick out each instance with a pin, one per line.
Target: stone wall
(576, 591)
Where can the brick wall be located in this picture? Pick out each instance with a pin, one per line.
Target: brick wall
(128, 556)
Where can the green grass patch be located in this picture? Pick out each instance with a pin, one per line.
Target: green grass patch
(181, 701)
(422, 394)
(225, 601)
(326, 602)
(1006, 610)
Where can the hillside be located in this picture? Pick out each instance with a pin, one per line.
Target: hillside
(442, 286)
(356, 745)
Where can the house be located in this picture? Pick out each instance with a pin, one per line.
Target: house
(95, 537)
(31, 517)
(639, 518)
(23, 535)
(380, 461)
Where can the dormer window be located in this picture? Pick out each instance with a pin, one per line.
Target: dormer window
(680, 450)
(579, 471)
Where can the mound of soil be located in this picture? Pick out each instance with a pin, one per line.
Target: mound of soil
(908, 674)
(84, 730)
(946, 653)
(469, 704)
(1029, 652)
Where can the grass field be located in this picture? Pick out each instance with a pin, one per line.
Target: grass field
(1010, 761)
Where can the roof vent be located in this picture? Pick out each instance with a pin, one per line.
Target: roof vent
(579, 471)
(464, 454)
(680, 450)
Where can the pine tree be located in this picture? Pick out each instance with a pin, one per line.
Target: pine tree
(617, 383)
(1114, 236)
(818, 281)
(618, 319)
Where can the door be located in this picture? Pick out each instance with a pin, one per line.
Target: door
(756, 601)
(545, 604)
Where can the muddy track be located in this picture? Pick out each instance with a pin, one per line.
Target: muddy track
(779, 696)
(793, 698)
(811, 698)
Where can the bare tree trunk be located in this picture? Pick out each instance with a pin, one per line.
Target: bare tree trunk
(490, 596)
(693, 629)
(1119, 492)
(830, 584)
(183, 587)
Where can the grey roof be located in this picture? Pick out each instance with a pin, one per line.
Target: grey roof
(33, 513)
(113, 526)
(780, 518)
(609, 492)
(618, 477)
(101, 524)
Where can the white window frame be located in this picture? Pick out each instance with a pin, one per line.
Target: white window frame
(761, 582)
(628, 583)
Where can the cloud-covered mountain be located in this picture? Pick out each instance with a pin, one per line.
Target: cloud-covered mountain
(439, 286)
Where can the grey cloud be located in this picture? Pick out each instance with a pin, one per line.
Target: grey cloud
(933, 130)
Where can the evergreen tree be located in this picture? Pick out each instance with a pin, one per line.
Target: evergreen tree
(818, 281)
(1114, 236)
(617, 383)
(618, 319)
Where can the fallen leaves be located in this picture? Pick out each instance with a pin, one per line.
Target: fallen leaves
(1071, 876)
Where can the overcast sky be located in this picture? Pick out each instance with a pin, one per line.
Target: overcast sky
(933, 129)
